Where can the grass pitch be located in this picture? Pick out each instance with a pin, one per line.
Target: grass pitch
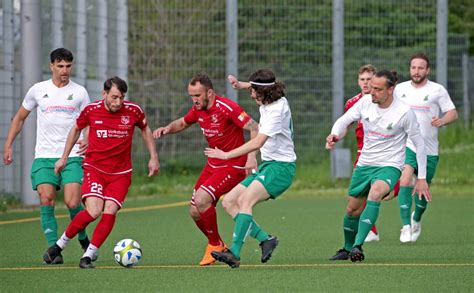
(309, 229)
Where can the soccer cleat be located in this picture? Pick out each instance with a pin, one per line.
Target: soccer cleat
(226, 256)
(207, 259)
(267, 247)
(86, 263)
(357, 254)
(372, 237)
(53, 255)
(341, 254)
(415, 229)
(405, 234)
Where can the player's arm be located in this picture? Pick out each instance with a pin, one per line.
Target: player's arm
(15, 128)
(251, 164)
(339, 129)
(238, 85)
(449, 117)
(72, 138)
(174, 127)
(153, 163)
(84, 142)
(250, 146)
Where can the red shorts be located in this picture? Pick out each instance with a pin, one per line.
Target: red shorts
(218, 181)
(112, 187)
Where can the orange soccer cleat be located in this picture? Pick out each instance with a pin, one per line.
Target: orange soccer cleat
(207, 259)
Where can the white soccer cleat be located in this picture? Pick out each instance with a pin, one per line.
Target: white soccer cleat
(415, 229)
(405, 235)
(372, 237)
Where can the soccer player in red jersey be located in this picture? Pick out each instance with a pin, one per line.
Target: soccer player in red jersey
(107, 164)
(222, 122)
(365, 74)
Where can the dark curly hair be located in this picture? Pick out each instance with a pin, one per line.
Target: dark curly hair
(264, 83)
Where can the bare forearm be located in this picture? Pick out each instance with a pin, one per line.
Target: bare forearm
(149, 142)
(450, 116)
(72, 138)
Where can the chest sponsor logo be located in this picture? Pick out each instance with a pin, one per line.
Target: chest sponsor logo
(125, 120)
(101, 133)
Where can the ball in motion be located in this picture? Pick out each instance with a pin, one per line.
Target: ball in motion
(127, 253)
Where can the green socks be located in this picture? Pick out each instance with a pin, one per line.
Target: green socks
(420, 207)
(367, 220)
(404, 203)
(350, 226)
(243, 223)
(49, 224)
(72, 213)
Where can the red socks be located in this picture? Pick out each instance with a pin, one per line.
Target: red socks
(80, 221)
(208, 225)
(103, 229)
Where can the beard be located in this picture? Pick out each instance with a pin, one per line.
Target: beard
(418, 79)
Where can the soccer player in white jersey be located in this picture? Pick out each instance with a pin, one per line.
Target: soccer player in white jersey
(387, 123)
(274, 175)
(427, 99)
(58, 101)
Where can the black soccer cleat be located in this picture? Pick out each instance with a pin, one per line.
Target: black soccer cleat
(267, 247)
(341, 254)
(226, 256)
(53, 255)
(86, 263)
(85, 244)
(357, 254)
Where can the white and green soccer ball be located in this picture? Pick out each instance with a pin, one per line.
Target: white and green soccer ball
(127, 253)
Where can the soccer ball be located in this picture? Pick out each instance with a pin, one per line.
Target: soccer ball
(127, 253)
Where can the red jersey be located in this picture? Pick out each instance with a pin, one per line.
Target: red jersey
(222, 125)
(110, 135)
(359, 131)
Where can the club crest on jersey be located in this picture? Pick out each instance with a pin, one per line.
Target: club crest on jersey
(390, 127)
(125, 120)
(214, 118)
(426, 98)
(69, 97)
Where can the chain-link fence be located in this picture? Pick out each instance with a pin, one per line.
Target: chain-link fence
(171, 40)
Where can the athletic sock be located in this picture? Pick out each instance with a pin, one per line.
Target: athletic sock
(63, 241)
(350, 227)
(80, 222)
(257, 232)
(420, 208)
(91, 251)
(374, 229)
(209, 220)
(72, 213)
(103, 229)
(49, 224)
(242, 227)
(404, 203)
(367, 220)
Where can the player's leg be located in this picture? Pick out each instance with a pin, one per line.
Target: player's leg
(46, 183)
(422, 204)
(71, 177)
(384, 179)
(358, 190)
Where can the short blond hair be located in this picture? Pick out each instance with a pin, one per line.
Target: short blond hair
(367, 68)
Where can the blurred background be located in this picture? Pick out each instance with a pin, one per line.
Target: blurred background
(314, 47)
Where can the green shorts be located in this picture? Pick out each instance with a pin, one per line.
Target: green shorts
(42, 171)
(431, 163)
(363, 178)
(275, 176)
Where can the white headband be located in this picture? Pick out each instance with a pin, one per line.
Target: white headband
(262, 84)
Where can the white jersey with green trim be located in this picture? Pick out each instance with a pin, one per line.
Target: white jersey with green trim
(276, 123)
(57, 110)
(385, 133)
(426, 102)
